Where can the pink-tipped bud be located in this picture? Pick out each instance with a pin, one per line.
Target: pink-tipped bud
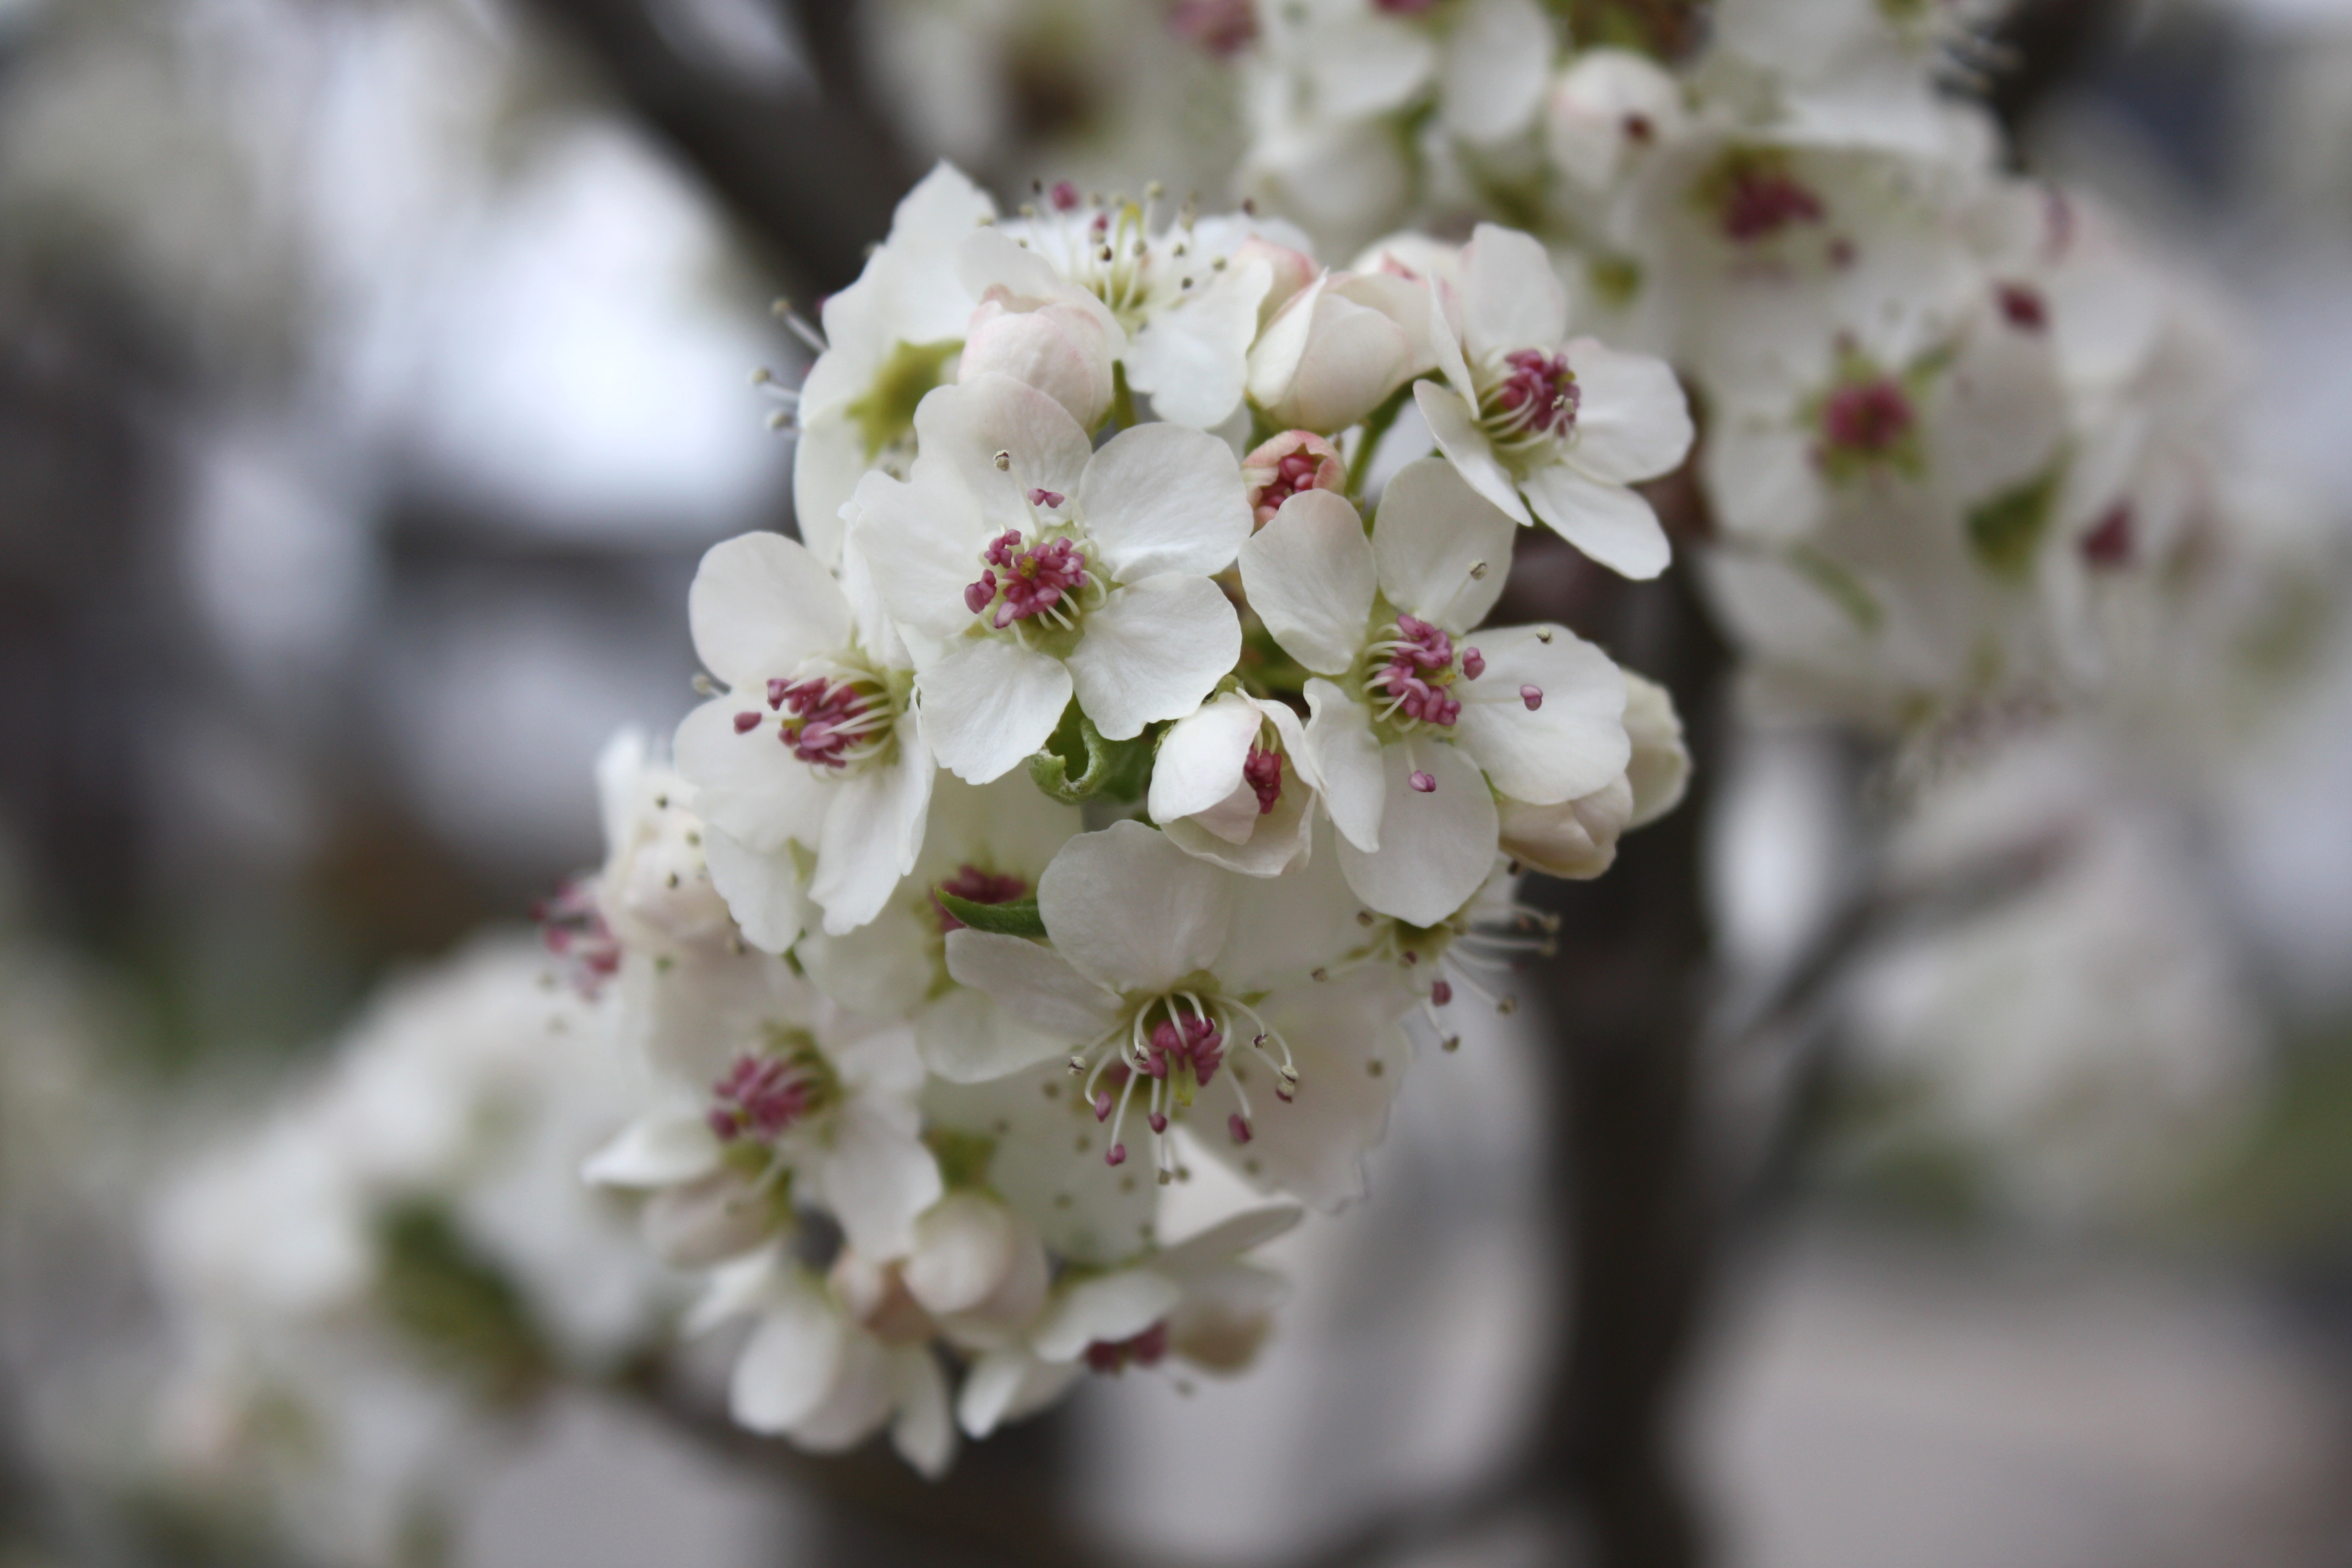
(1239, 1127)
(1117, 1155)
(1473, 664)
(1059, 349)
(1421, 783)
(746, 722)
(1532, 695)
(1440, 992)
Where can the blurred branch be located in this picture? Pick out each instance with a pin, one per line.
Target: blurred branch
(814, 175)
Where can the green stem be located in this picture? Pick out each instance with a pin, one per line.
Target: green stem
(1376, 425)
(1122, 398)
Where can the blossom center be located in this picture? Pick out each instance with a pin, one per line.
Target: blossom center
(1170, 1047)
(768, 1093)
(1413, 666)
(1110, 1357)
(1041, 580)
(1262, 771)
(1756, 198)
(1867, 421)
(1530, 395)
(832, 715)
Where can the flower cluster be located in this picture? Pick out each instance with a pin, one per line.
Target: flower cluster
(1110, 778)
(1968, 435)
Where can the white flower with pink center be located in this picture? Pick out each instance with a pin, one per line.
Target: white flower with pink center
(1197, 1301)
(792, 1101)
(1416, 725)
(1177, 1001)
(1037, 567)
(813, 747)
(1232, 784)
(1534, 419)
(1175, 303)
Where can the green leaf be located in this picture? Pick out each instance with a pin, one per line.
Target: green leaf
(455, 1304)
(1018, 918)
(1114, 770)
(2008, 529)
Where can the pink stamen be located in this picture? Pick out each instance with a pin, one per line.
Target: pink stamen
(1102, 1104)
(1761, 202)
(1035, 580)
(1417, 651)
(1539, 395)
(1440, 992)
(2023, 307)
(2110, 545)
(1239, 1127)
(571, 925)
(1473, 664)
(1262, 771)
(1532, 695)
(1420, 783)
(1111, 1357)
(763, 1095)
(1065, 196)
(1117, 1155)
(777, 687)
(1870, 417)
(977, 886)
(824, 721)
(1050, 499)
(1223, 28)
(1159, 1119)
(1198, 1041)
(1283, 466)
(746, 722)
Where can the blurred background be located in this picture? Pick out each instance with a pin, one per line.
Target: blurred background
(372, 374)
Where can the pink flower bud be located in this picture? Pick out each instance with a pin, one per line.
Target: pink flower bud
(1058, 348)
(1293, 270)
(1285, 464)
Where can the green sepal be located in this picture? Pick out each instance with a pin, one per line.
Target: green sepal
(1114, 770)
(2006, 530)
(1018, 918)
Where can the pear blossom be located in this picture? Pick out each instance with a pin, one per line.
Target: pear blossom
(1232, 784)
(1041, 567)
(888, 338)
(1484, 61)
(1577, 839)
(831, 1360)
(810, 1103)
(1176, 305)
(1608, 109)
(1533, 419)
(1196, 1300)
(987, 845)
(813, 747)
(1409, 722)
(1282, 465)
(1159, 973)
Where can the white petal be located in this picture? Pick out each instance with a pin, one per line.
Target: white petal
(1511, 297)
(923, 1431)
(1199, 763)
(1308, 574)
(1660, 771)
(872, 836)
(989, 704)
(1453, 426)
(762, 888)
(1008, 1384)
(965, 426)
(1161, 498)
(1632, 421)
(922, 539)
(1368, 67)
(1347, 755)
(1153, 651)
(1192, 359)
(656, 1150)
(989, 258)
(1033, 982)
(828, 459)
(1497, 56)
(876, 1177)
(966, 1037)
(1572, 742)
(748, 782)
(790, 1362)
(762, 603)
(857, 1404)
(1610, 524)
(1112, 1308)
(1436, 847)
(1133, 910)
(1430, 533)
(922, 297)
(1228, 1239)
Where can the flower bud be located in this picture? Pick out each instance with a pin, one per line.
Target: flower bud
(1337, 349)
(1293, 270)
(1287, 464)
(1058, 348)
